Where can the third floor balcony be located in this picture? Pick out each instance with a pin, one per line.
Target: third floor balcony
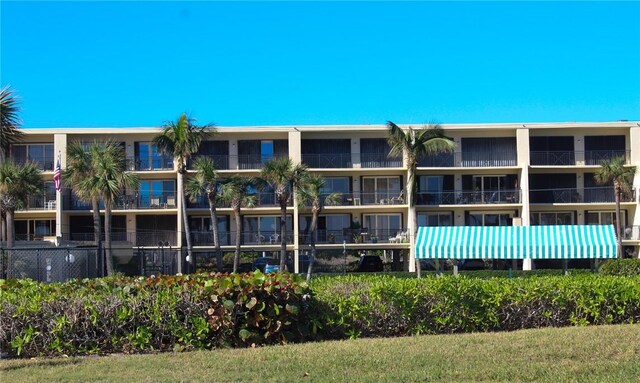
(600, 194)
(572, 158)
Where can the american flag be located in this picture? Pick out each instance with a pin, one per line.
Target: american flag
(57, 175)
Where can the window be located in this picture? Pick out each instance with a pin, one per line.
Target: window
(330, 227)
(382, 225)
(435, 219)
(41, 154)
(489, 219)
(380, 189)
(148, 157)
(264, 229)
(435, 190)
(605, 217)
(498, 151)
(202, 230)
(552, 218)
(375, 154)
(159, 193)
(34, 229)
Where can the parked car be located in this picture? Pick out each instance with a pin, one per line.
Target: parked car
(261, 262)
(304, 263)
(471, 264)
(427, 265)
(370, 263)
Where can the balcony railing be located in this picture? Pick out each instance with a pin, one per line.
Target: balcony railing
(487, 197)
(220, 161)
(154, 163)
(255, 161)
(40, 203)
(604, 194)
(327, 160)
(595, 157)
(43, 163)
(379, 160)
(379, 198)
(160, 200)
(470, 159)
(140, 238)
(570, 157)
(631, 233)
(362, 235)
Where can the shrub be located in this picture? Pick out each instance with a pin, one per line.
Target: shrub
(622, 267)
(124, 314)
(367, 306)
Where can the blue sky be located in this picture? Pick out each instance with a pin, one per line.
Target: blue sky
(83, 64)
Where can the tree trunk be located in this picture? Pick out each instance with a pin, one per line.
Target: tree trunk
(283, 238)
(313, 229)
(618, 193)
(185, 219)
(3, 227)
(97, 230)
(107, 238)
(11, 232)
(236, 257)
(216, 235)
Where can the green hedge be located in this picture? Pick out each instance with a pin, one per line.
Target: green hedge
(622, 267)
(146, 314)
(220, 310)
(381, 306)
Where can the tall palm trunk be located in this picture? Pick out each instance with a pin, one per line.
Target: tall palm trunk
(236, 257)
(3, 228)
(283, 233)
(107, 238)
(314, 229)
(618, 194)
(216, 234)
(185, 219)
(11, 232)
(97, 229)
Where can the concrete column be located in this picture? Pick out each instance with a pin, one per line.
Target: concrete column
(578, 147)
(457, 156)
(131, 228)
(59, 148)
(355, 153)
(522, 142)
(233, 153)
(295, 146)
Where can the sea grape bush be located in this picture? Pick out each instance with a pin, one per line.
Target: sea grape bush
(621, 267)
(175, 313)
(123, 314)
(357, 306)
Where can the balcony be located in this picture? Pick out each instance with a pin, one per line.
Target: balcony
(469, 197)
(327, 161)
(140, 238)
(255, 161)
(595, 157)
(604, 194)
(43, 163)
(469, 160)
(220, 161)
(571, 158)
(40, 203)
(377, 198)
(147, 164)
(379, 160)
(631, 233)
(157, 200)
(362, 235)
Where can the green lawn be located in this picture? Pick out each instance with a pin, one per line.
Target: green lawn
(584, 354)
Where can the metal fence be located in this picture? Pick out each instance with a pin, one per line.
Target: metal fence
(55, 264)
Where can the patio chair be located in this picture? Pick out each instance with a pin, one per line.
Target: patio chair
(274, 238)
(171, 201)
(259, 238)
(399, 199)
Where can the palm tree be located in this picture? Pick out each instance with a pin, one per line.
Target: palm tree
(79, 167)
(9, 121)
(17, 184)
(110, 180)
(614, 171)
(310, 194)
(284, 177)
(205, 184)
(415, 144)
(181, 139)
(9, 134)
(235, 191)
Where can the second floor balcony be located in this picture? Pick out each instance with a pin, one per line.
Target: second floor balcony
(40, 203)
(572, 158)
(150, 163)
(132, 201)
(469, 197)
(327, 160)
(604, 194)
(470, 160)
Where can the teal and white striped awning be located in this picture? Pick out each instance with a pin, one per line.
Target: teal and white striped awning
(516, 242)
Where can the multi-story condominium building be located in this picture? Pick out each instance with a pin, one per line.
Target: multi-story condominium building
(499, 174)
